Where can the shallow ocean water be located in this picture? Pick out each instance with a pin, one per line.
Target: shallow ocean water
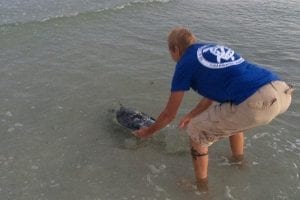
(66, 66)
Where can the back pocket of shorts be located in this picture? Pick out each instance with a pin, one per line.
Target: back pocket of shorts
(262, 105)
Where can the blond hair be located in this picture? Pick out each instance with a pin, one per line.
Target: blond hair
(181, 38)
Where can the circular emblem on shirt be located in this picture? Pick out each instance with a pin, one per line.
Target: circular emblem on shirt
(217, 56)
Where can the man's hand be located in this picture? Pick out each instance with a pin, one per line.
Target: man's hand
(142, 133)
(165, 117)
(184, 121)
(201, 106)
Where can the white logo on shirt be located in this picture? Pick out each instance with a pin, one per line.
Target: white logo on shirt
(220, 57)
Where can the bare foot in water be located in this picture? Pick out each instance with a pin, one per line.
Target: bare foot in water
(186, 185)
(202, 185)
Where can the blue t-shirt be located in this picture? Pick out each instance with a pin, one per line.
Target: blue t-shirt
(218, 73)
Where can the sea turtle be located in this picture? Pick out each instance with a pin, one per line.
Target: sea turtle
(133, 119)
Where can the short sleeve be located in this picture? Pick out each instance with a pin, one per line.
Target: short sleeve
(182, 78)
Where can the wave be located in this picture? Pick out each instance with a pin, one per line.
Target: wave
(133, 3)
(74, 14)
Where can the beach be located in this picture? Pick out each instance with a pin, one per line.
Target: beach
(67, 66)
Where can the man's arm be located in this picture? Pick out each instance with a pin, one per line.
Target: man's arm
(201, 106)
(165, 117)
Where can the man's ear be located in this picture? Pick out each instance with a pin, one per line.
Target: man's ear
(177, 52)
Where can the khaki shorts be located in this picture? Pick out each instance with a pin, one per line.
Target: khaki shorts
(223, 120)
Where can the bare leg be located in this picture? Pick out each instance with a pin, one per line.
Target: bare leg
(237, 146)
(200, 161)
